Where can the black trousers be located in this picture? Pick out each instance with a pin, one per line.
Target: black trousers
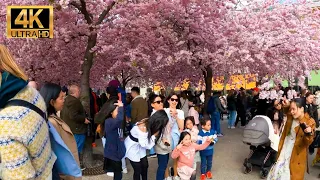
(241, 115)
(113, 166)
(140, 169)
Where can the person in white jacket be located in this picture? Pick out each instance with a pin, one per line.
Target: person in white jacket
(143, 136)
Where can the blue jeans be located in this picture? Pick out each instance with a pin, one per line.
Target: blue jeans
(215, 122)
(206, 164)
(80, 139)
(152, 152)
(232, 118)
(162, 165)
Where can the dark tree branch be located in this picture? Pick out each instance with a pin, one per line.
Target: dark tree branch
(276, 45)
(76, 5)
(105, 12)
(83, 9)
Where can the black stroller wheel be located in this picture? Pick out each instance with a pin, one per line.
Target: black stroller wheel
(264, 173)
(247, 166)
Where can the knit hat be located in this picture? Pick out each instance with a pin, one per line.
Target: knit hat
(114, 83)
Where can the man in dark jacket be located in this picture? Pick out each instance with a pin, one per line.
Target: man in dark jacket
(139, 106)
(242, 102)
(215, 115)
(254, 101)
(74, 115)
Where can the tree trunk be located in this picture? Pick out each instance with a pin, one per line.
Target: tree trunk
(225, 82)
(124, 84)
(207, 75)
(85, 98)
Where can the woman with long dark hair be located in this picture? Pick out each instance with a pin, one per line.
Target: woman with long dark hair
(275, 113)
(176, 118)
(296, 137)
(144, 135)
(162, 147)
(54, 99)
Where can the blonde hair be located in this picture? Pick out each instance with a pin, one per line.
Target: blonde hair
(8, 64)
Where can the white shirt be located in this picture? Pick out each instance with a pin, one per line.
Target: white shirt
(138, 150)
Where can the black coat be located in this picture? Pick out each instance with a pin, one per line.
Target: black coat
(231, 103)
(312, 110)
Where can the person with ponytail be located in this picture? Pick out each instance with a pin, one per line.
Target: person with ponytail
(144, 135)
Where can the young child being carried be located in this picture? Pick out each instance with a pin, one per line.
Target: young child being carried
(206, 155)
(185, 153)
(192, 128)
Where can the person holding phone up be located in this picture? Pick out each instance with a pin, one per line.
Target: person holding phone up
(296, 137)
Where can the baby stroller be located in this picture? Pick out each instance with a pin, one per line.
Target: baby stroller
(256, 134)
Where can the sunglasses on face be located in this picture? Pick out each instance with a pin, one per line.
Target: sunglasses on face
(172, 99)
(158, 102)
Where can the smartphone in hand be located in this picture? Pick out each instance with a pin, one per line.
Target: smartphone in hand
(303, 127)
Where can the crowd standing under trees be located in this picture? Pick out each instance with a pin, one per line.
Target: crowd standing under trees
(169, 41)
(206, 38)
(167, 129)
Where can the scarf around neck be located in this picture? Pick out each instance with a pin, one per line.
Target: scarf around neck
(10, 86)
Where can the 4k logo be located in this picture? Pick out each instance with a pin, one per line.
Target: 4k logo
(30, 22)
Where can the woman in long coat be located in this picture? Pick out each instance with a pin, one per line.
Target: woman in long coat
(294, 142)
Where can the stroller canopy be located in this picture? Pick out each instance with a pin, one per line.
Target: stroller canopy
(259, 131)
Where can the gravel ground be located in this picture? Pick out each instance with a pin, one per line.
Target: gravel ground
(227, 161)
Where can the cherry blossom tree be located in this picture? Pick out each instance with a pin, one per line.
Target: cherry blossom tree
(278, 40)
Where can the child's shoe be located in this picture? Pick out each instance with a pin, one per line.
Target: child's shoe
(209, 175)
(176, 178)
(203, 177)
(125, 171)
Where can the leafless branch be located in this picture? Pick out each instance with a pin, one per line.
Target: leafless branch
(105, 12)
(83, 9)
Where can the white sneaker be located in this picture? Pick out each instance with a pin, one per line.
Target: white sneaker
(169, 178)
(232, 127)
(176, 178)
(110, 174)
(229, 127)
(125, 171)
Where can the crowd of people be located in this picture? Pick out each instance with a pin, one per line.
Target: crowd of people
(43, 132)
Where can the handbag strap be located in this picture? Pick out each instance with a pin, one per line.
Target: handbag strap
(26, 104)
(133, 138)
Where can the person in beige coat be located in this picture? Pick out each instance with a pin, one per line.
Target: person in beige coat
(54, 99)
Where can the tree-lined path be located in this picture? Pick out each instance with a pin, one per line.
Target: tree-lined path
(227, 161)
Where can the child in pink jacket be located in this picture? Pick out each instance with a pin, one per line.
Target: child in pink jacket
(185, 153)
(190, 127)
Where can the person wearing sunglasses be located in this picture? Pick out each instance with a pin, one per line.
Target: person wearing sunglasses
(156, 104)
(176, 118)
(161, 148)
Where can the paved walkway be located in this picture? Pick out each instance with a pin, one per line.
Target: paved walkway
(227, 162)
